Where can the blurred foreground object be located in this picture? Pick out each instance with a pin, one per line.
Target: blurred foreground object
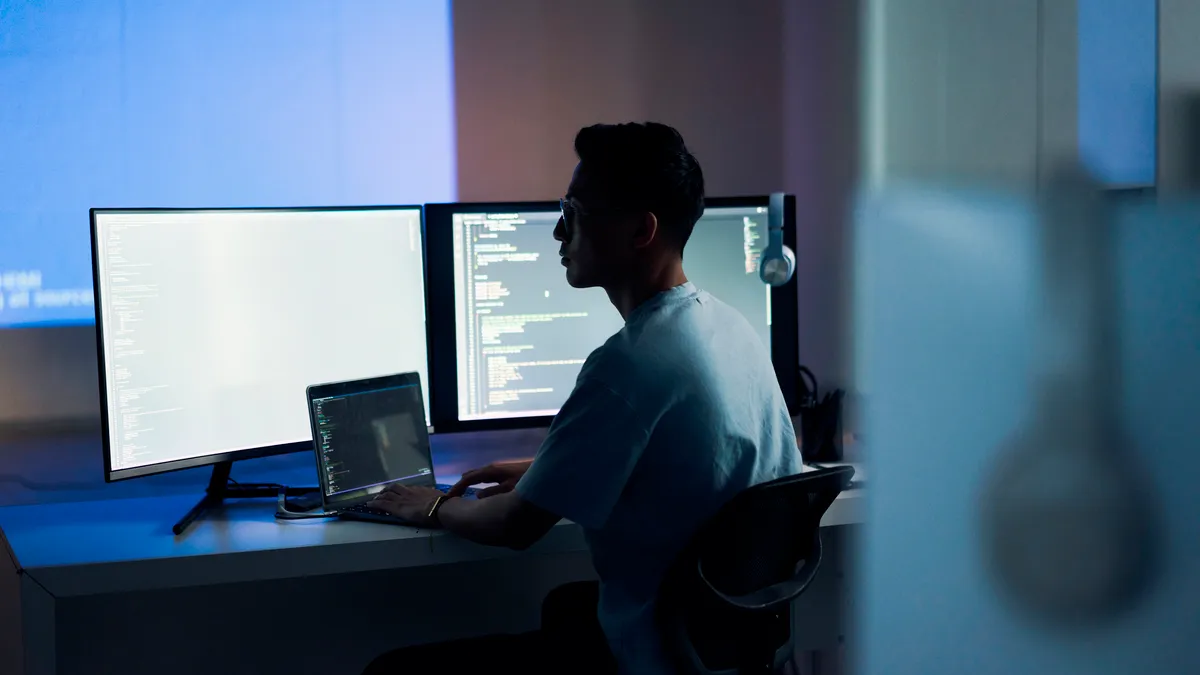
(1031, 370)
(1069, 526)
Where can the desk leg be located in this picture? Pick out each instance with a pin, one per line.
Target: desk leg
(10, 615)
(37, 628)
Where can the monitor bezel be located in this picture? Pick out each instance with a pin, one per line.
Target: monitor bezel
(440, 313)
(111, 475)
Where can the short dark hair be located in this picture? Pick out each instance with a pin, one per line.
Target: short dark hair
(644, 167)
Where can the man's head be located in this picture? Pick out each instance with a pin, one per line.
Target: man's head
(634, 198)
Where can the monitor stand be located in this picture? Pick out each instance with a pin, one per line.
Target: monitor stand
(220, 488)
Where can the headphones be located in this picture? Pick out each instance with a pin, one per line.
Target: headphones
(778, 262)
(1072, 532)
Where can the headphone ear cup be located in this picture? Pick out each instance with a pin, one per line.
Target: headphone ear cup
(778, 266)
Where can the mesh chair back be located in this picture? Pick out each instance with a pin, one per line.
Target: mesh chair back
(727, 601)
(759, 537)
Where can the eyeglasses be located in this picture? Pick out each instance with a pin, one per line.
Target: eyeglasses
(566, 209)
(570, 211)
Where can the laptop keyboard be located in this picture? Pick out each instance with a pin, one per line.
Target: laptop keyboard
(363, 508)
(367, 509)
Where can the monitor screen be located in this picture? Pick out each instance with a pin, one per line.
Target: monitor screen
(368, 439)
(212, 324)
(522, 333)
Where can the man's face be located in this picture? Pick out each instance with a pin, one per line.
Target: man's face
(596, 243)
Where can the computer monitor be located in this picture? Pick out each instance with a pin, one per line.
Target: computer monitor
(509, 335)
(212, 323)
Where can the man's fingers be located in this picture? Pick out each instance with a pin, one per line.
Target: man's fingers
(480, 475)
(389, 507)
(472, 477)
(386, 501)
(400, 489)
(493, 490)
(387, 496)
(459, 488)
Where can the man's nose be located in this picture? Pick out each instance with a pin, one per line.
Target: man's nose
(559, 229)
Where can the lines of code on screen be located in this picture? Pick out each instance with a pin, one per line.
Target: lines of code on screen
(523, 333)
(369, 439)
(212, 321)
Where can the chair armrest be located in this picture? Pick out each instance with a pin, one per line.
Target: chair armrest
(774, 595)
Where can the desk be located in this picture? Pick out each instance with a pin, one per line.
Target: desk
(92, 571)
(104, 587)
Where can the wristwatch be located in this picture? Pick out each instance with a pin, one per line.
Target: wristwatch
(432, 516)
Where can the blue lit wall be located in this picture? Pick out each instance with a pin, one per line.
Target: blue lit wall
(207, 103)
(1118, 89)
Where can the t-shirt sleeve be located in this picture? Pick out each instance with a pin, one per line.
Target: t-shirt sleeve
(591, 450)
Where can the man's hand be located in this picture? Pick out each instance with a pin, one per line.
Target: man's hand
(504, 474)
(408, 502)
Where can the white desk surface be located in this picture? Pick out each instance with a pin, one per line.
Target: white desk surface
(121, 545)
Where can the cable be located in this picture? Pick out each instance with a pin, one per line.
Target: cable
(283, 513)
(252, 486)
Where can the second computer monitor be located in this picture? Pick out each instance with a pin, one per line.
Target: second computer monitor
(510, 335)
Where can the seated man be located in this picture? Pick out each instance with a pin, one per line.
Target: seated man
(669, 419)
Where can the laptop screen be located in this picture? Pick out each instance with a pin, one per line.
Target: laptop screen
(368, 439)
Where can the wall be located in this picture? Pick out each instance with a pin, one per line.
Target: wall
(968, 91)
(821, 140)
(763, 92)
(48, 375)
(1179, 96)
(530, 73)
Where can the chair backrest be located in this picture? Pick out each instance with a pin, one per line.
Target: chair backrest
(727, 600)
(757, 539)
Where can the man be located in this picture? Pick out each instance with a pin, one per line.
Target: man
(670, 418)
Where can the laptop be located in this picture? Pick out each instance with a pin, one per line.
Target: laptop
(370, 434)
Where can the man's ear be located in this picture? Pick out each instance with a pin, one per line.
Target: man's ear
(646, 232)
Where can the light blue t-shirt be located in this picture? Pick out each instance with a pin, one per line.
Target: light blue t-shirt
(669, 419)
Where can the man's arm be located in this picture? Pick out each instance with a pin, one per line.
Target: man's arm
(503, 520)
(593, 446)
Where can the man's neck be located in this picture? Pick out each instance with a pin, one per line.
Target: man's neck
(629, 297)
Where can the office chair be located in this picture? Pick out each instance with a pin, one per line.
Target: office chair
(725, 607)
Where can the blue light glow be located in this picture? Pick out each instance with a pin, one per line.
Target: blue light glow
(110, 103)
